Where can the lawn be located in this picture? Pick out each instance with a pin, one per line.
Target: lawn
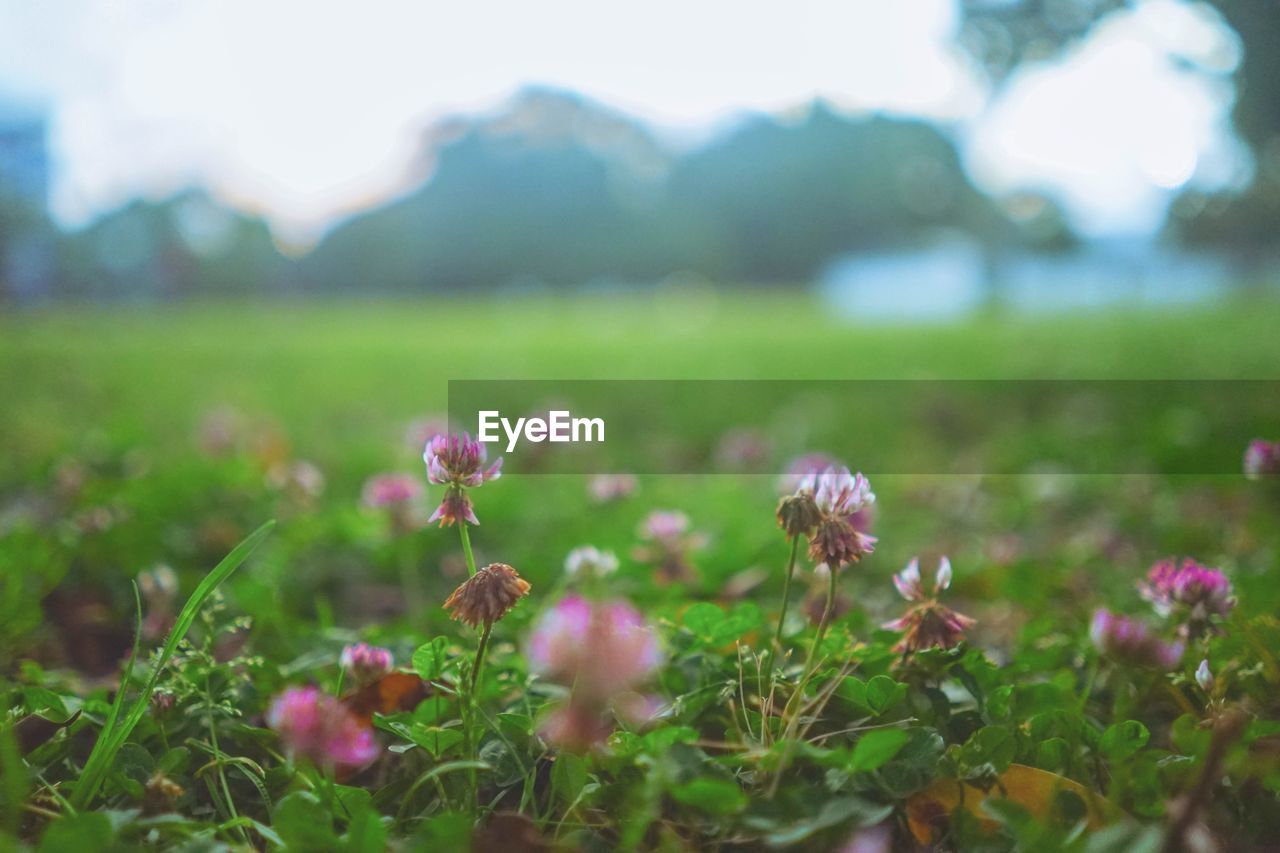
(147, 443)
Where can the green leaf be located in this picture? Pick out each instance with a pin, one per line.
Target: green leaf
(703, 619)
(1000, 703)
(660, 740)
(832, 813)
(365, 832)
(1122, 740)
(854, 690)
(568, 777)
(713, 796)
(1052, 754)
(883, 693)
(84, 831)
(994, 745)
(877, 747)
(435, 740)
(430, 659)
(447, 831)
(304, 823)
(431, 710)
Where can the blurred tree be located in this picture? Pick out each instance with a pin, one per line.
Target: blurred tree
(562, 191)
(188, 245)
(1002, 34)
(784, 199)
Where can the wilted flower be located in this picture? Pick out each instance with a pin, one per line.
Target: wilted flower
(1204, 677)
(1129, 641)
(606, 488)
(1195, 590)
(667, 544)
(837, 543)
(455, 507)
(366, 663)
(929, 624)
(458, 460)
(798, 514)
(487, 596)
(160, 795)
(589, 561)
(318, 727)
(600, 651)
(162, 702)
(1262, 459)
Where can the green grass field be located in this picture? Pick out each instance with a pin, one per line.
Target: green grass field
(335, 375)
(103, 476)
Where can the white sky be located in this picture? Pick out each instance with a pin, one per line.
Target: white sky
(306, 110)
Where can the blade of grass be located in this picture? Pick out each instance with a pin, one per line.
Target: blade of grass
(113, 736)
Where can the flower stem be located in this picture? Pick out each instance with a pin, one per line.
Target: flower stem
(786, 591)
(766, 700)
(812, 663)
(466, 547)
(479, 664)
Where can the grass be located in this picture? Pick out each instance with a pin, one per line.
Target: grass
(104, 477)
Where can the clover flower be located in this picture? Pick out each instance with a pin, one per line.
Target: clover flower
(1194, 590)
(664, 524)
(458, 460)
(803, 467)
(836, 542)
(1130, 641)
(316, 726)
(839, 496)
(929, 624)
(390, 490)
(601, 652)
(487, 596)
(588, 561)
(396, 495)
(366, 663)
(838, 492)
(667, 543)
(607, 488)
(1262, 459)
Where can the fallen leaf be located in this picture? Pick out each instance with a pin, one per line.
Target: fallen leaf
(1038, 791)
(395, 691)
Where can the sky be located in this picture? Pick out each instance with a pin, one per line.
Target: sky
(307, 111)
